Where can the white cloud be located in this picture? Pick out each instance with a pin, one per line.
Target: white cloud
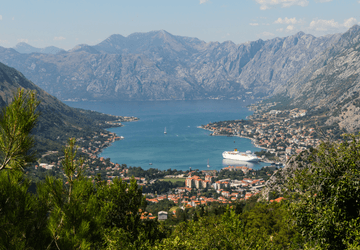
(266, 34)
(323, 1)
(254, 24)
(0, 17)
(326, 25)
(22, 40)
(59, 38)
(286, 20)
(349, 22)
(4, 41)
(13, 18)
(323, 25)
(203, 1)
(280, 30)
(290, 28)
(267, 4)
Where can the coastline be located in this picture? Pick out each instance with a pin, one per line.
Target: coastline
(253, 141)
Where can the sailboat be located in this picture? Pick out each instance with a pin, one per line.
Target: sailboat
(165, 131)
(208, 165)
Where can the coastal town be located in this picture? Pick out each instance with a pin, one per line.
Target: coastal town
(204, 187)
(281, 133)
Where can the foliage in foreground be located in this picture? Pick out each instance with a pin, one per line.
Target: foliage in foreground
(81, 214)
(16, 122)
(266, 226)
(327, 186)
(88, 213)
(23, 216)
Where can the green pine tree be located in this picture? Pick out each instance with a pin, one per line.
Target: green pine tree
(16, 122)
(23, 221)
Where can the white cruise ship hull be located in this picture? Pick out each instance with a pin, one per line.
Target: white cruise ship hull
(240, 156)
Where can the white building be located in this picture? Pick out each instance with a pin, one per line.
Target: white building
(162, 215)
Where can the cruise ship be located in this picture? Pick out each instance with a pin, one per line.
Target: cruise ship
(240, 156)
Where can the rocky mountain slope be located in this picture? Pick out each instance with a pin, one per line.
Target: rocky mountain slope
(57, 121)
(330, 82)
(160, 66)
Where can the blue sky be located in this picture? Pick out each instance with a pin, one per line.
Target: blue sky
(65, 23)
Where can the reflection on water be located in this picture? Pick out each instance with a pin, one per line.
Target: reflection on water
(235, 163)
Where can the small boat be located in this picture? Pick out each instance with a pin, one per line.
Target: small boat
(208, 165)
(165, 131)
(150, 163)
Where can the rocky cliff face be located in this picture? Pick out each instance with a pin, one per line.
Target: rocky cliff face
(160, 66)
(331, 81)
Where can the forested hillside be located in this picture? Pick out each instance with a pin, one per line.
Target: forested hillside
(57, 121)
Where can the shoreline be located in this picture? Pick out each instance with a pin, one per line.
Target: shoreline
(253, 141)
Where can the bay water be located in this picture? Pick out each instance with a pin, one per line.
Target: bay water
(185, 145)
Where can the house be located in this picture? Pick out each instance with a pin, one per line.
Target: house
(162, 215)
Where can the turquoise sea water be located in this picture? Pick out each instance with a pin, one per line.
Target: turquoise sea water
(184, 145)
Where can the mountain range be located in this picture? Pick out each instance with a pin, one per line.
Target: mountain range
(160, 66)
(320, 74)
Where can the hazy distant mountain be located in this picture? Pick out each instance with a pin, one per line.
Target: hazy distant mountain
(160, 66)
(150, 43)
(27, 49)
(331, 82)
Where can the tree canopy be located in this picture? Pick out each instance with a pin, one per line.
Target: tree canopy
(327, 191)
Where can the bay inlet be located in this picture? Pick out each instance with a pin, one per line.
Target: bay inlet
(184, 145)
